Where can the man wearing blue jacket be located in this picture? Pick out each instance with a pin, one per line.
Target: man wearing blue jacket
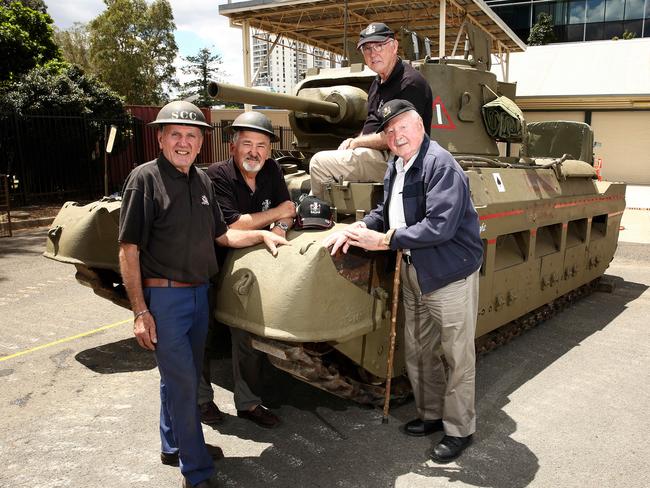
(428, 213)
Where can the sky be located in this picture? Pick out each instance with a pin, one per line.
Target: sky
(198, 25)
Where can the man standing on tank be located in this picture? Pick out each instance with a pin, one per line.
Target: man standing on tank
(252, 194)
(427, 212)
(363, 158)
(169, 221)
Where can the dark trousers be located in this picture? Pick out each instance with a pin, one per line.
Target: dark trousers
(181, 316)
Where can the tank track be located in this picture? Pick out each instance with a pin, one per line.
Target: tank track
(333, 376)
(504, 334)
(312, 368)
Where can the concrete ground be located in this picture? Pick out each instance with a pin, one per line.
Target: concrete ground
(564, 405)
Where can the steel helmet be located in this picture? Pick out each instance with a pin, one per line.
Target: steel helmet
(181, 113)
(254, 121)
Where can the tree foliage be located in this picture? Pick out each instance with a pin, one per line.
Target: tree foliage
(74, 43)
(59, 87)
(132, 48)
(38, 5)
(542, 32)
(25, 39)
(204, 67)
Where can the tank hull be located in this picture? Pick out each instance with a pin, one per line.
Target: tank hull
(543, 237)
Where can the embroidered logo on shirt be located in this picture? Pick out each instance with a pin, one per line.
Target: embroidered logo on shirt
(204, 200)
(266, 204)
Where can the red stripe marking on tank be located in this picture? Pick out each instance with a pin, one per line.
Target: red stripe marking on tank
(492, 241)
(533, 232)
(587, 201)
(564, 226)
(501, 214)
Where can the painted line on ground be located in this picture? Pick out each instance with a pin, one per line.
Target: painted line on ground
(65, 339)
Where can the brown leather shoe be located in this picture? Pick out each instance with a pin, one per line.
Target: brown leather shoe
(261, 415)
(171, 459)
(210, 414)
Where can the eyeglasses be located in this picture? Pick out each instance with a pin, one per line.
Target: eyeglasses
(374, 46)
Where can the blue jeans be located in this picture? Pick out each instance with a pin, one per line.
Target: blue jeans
(181, 316)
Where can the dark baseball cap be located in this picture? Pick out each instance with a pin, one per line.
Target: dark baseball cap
(375, 32)
(313, 213)
(392, 109)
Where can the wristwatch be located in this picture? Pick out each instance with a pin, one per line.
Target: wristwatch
(282, 225)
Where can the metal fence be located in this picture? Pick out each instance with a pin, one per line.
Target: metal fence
(61, 157)
(5, 209)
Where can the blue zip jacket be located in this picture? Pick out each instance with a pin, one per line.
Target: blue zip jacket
(442, 226)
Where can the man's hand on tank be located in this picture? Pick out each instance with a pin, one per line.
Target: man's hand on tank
(346, 144)
(144, 329)
(286, 210)
(367, 239)
(337, 240)
(272, 241)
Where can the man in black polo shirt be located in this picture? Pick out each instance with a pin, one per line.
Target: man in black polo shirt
(363, 158)
(169, 221)
(252, 194)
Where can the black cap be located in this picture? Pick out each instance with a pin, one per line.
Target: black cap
(392, 109)
(313, 213)
(375, 32)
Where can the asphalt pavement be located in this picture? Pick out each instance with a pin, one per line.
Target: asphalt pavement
(563, 405)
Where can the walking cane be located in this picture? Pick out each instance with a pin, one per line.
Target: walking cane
(392, 334)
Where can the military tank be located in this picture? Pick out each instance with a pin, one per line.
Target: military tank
(549, 229)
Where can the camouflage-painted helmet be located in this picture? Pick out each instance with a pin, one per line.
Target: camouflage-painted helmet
(181, 113)
(254, 121)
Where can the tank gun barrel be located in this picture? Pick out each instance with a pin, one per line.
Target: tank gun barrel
(233, 93)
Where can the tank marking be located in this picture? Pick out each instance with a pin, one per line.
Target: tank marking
(440, 110)
(492, 241)
(499, 182)
(501, 214)
(587, 201)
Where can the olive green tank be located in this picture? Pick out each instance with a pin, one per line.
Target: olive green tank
(549, 229)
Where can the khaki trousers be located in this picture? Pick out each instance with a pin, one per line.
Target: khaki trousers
(442, 321)
(360, 164)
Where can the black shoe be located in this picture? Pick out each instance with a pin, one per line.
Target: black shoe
(261, 415)
(449, 448)
(210, 414)
(419, 428)
(171, 459)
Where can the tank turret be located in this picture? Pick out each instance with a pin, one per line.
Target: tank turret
(335, 111)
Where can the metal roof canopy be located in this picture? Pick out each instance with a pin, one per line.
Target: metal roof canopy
(320, 23)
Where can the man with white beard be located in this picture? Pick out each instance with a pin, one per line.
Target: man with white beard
(252, 194)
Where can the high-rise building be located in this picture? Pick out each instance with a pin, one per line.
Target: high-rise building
(285, 66)
(578, 20)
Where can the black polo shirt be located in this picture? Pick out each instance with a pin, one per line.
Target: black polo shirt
(406, 83)
(174, 219)
(235, 196)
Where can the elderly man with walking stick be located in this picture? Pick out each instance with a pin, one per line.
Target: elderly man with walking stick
(427, 212)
